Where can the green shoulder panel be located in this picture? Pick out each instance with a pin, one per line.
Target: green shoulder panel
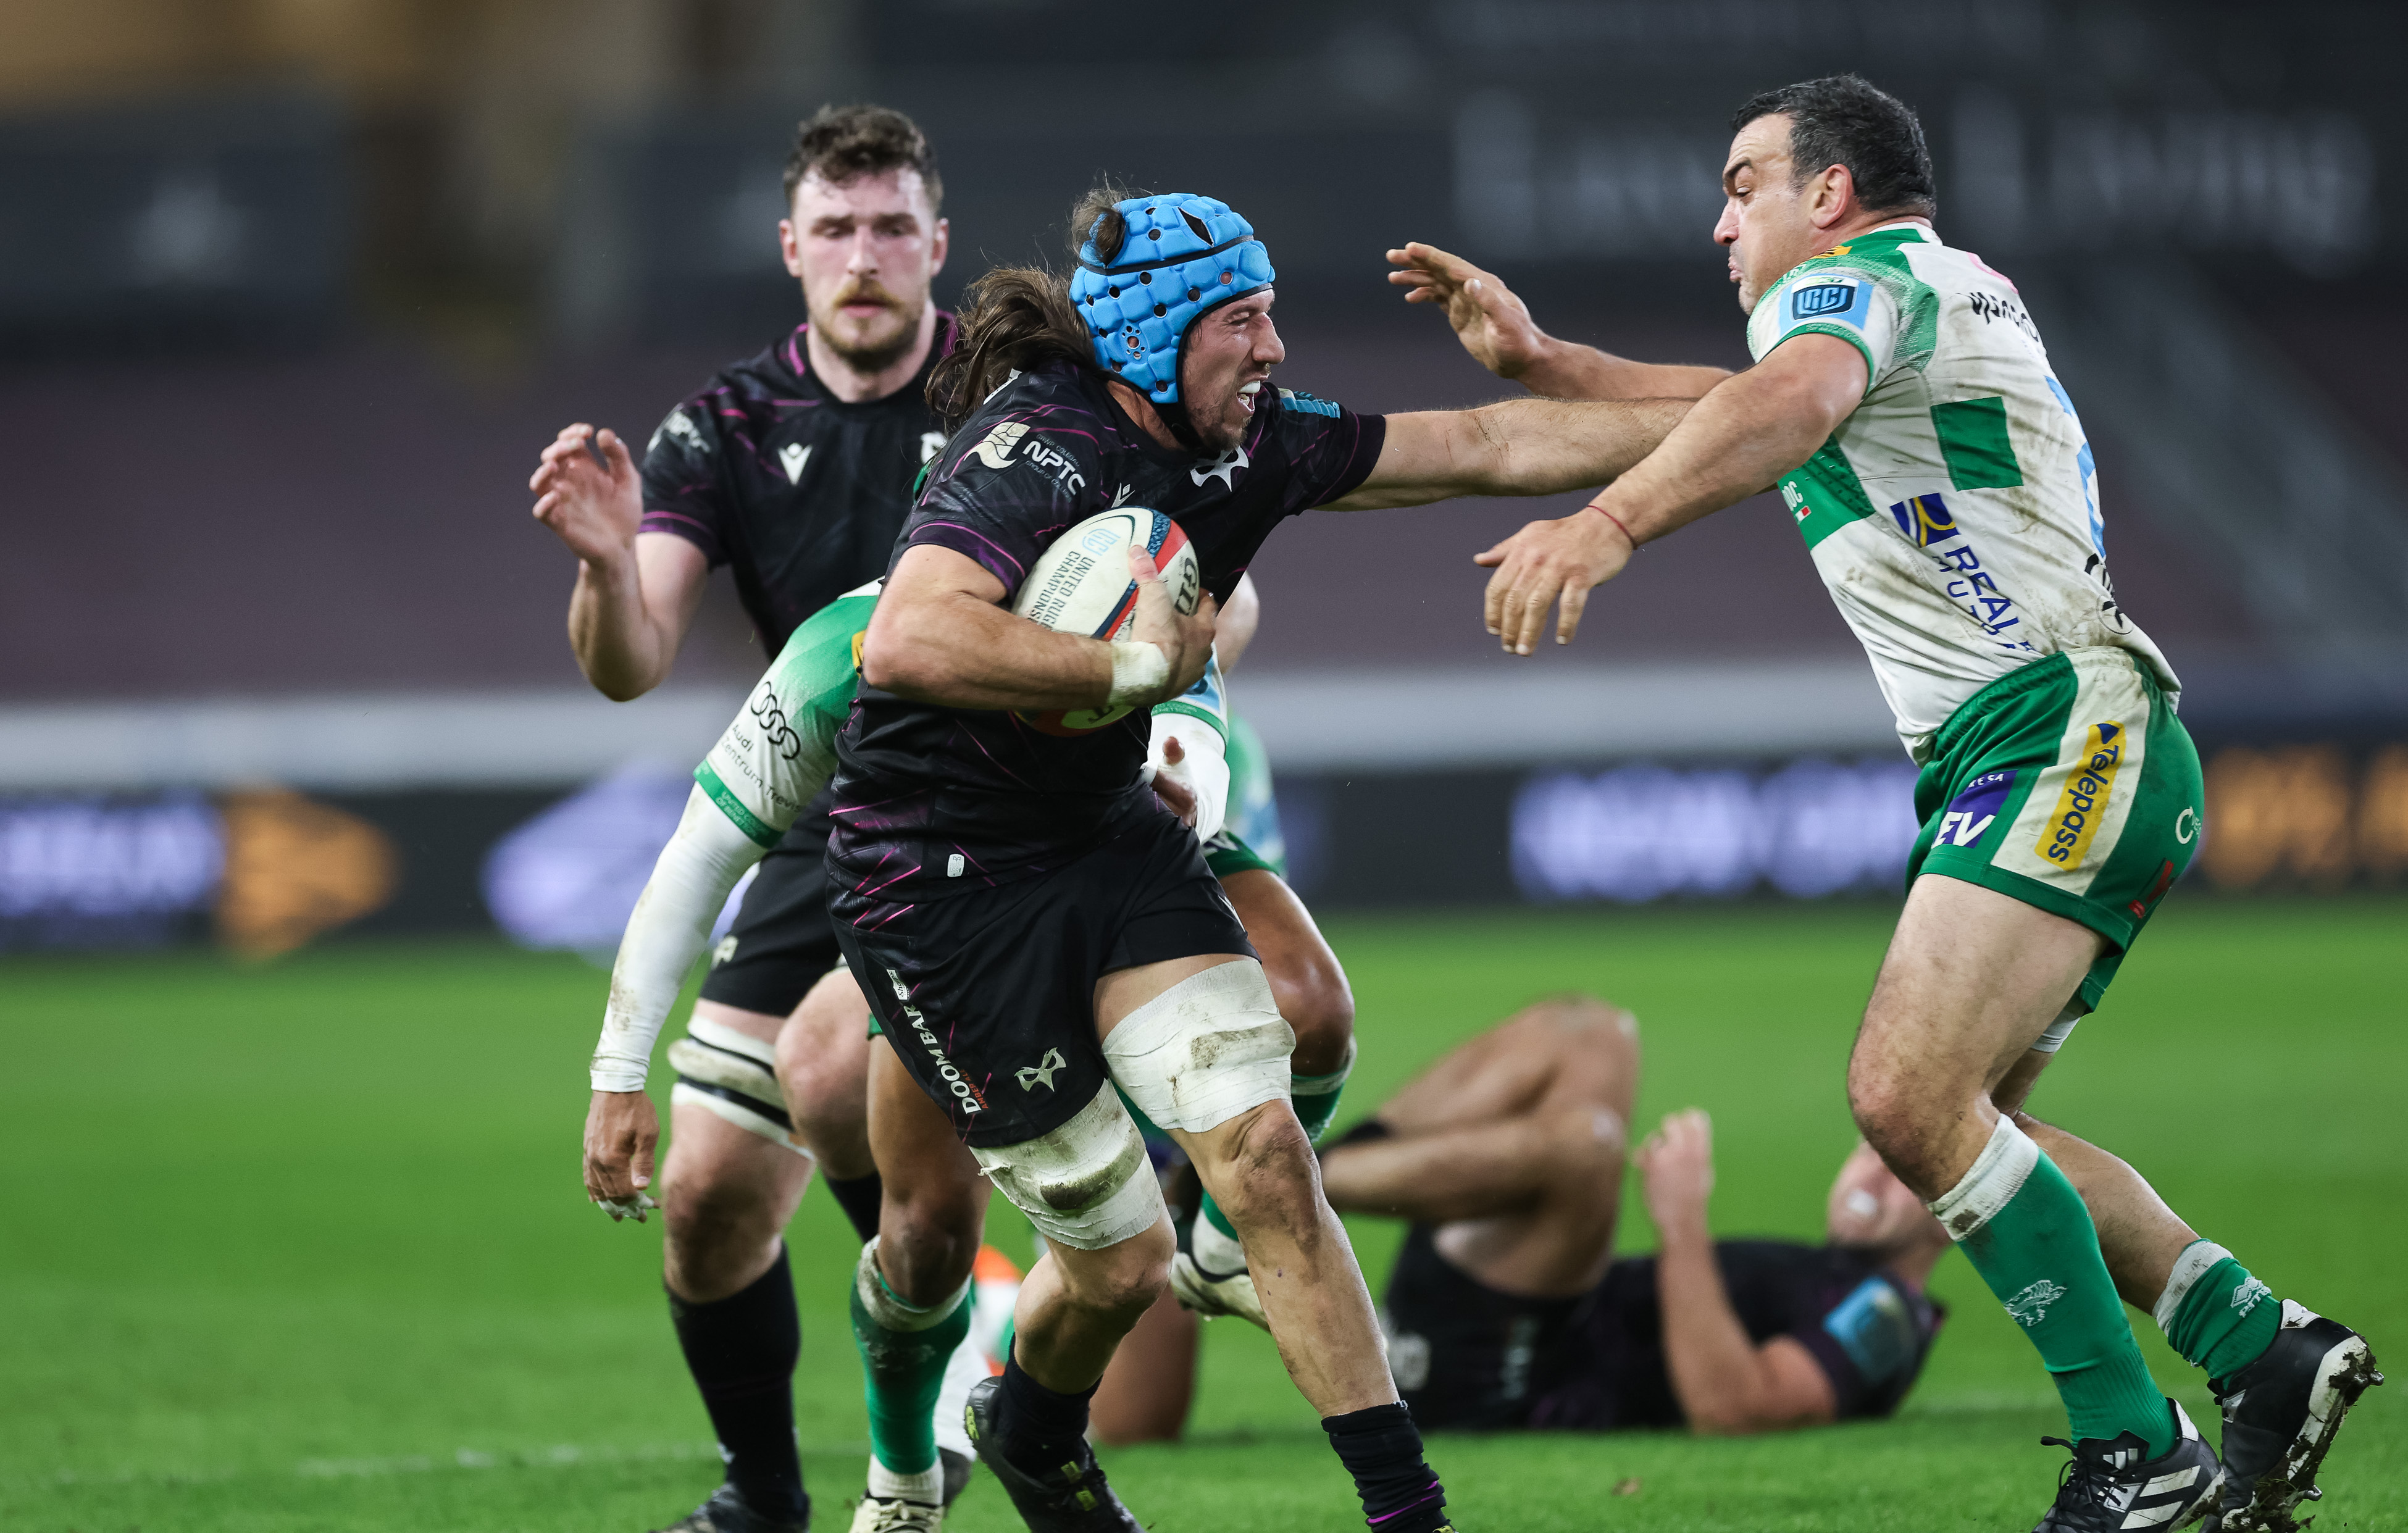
(1824, 495)
(820, 668)
(1881, 256)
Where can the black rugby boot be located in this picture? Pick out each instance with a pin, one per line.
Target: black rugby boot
(1071, 1497)
(2109, 1486)
(2280, 1416)
(726, 1512)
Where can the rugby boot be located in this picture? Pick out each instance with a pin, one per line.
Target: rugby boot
(898, 1515)
(2280, 1416)
(726, 1512)
(2109, 1485)
(1071, 1498)
(1210, 1290)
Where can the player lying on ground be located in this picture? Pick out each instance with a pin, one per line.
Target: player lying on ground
(1904, 406)
(794, 470)
(1031, 927)
(1506, 1309)
(773, 760)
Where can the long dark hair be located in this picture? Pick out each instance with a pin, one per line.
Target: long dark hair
(1017, 318)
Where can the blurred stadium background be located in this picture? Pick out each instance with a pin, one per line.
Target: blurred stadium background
(291, 291)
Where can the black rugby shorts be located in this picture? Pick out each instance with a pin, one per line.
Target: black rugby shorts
(782, 943)
(996, 1014)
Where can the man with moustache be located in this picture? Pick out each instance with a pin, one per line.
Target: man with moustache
(794, 470)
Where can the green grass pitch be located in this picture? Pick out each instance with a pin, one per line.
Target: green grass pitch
(303, 1246)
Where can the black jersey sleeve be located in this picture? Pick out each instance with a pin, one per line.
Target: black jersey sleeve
(1008, 483)
(1870, 1344)
(685, 490)
(1329, 448)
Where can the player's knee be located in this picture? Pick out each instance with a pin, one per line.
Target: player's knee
(926, 1248)
(1890, 1112)
(1583, 1145)
(707, 1219)
(1266, 1175)
(1123, 1281)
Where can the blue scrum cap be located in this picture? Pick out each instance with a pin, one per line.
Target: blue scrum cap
(1182, 254)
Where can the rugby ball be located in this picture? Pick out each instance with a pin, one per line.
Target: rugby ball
(1081, 584)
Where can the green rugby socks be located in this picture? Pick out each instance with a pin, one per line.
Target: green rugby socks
(2023, 1227)
(904, 1350)
(1316, 1099)
(2216, 1315)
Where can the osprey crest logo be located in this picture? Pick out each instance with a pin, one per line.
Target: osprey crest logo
(1041, 1073)
(2030, 1307)
(1224, 468)
(994, 451)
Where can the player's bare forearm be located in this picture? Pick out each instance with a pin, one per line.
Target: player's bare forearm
(953, 648)
(1521, 447)
(939, 636)
(630, 611)
(1735, 442)
(1564, 369)
(1716, 1371)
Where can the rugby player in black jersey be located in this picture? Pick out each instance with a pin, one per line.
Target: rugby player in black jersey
(1029, 923)
(1507, 1309)
(794, 470)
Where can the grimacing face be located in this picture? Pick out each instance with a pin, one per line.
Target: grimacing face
(867, 251)
(1225, 363)
(1872, 1208)
(1768, 223)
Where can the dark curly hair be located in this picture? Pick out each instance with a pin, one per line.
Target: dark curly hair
(1846, 119)
(1017, 318)
(844, 144)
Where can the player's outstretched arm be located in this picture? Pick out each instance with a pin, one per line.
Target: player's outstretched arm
(941, 635)
(1495, 327)
(1521, 447)
(1727, 1384)
(1737, 441)
(635, 593)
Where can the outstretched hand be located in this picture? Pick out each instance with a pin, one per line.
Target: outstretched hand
(588, 492)
(1493, 324)
(1545, 564)
(622, 1131)
(1184, 638)
(1678, 1165)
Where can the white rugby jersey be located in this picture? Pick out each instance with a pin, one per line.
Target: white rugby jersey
(1954, 515)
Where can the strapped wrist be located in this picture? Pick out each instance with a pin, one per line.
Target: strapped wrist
(1139, 672)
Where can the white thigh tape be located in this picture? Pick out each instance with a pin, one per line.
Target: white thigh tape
(1998, 1173)
(687, 1094)
(2052, 1036)
(1205, 1049)
(1087, 1184)
(732, 1075)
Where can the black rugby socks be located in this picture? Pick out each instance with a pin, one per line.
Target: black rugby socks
(1041, 1430)
(859, 1197)
(741, 1351)
(1382, 1449)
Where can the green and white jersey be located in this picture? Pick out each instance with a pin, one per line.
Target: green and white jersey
(1954, 515)
(781, 750)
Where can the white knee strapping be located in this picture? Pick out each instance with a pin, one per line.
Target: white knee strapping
(732, 1075)
(1998, 1173)
(1205, 1049)
(1088, 1184)
(890, 1312)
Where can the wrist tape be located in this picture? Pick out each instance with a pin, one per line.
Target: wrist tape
(1139, 672)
